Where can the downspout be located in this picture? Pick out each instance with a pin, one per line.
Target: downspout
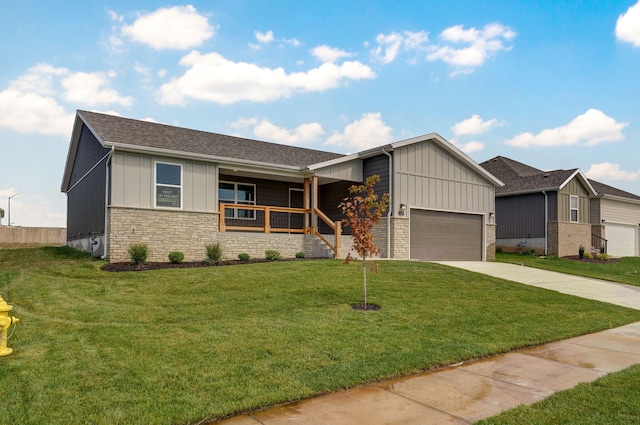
(106, 203)
(390, 208)
(546, 224)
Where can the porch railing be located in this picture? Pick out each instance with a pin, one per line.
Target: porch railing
(337, 230)
(268, 219)
(599, 244)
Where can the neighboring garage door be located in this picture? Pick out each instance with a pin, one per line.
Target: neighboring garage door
(436, 235)
(621, 240)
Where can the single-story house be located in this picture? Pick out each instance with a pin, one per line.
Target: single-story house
(615, 217)
(177, 189)
(544, 211)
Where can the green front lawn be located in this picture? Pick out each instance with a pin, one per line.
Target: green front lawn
(612, 399)
(627, 270)
(180, 346)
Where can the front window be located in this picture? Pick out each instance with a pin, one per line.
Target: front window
(574, 209)
(240, 194)
(168, 185)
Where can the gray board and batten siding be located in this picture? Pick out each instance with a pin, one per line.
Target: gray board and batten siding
(427, 176)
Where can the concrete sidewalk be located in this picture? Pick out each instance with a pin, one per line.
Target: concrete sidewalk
(465, 393)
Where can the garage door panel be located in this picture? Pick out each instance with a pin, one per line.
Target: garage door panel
(437, 235)
(621, 240)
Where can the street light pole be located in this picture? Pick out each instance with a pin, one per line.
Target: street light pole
(9, 208)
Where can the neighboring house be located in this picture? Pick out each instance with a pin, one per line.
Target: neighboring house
(176, 189)
(615, 217)
(544, 211)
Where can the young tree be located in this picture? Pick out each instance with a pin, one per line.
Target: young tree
(363, 211)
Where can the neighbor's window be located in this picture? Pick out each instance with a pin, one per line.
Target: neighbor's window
(237, 193)
(574, 202)
(168, 185)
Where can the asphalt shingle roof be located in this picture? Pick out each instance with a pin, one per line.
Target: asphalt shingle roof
(161, 136)
(604, 189)
(519, 177)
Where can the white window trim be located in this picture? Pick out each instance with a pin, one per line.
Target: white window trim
(577, 209)
(235, 199)
(155, 185)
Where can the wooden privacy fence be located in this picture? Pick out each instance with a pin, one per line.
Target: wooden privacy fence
(33, 235)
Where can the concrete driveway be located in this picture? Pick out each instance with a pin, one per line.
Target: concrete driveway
(593, 289)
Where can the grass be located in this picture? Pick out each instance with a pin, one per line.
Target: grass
(612, 399)
(627, 270)
(181, 346)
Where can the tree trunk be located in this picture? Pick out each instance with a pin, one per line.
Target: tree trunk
(364, 274)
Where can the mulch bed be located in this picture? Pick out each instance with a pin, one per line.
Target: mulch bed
(591, 260)
(130, 267)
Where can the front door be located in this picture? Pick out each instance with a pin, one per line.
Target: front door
(296, 200)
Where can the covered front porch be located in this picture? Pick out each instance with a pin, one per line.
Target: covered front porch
(275, 207)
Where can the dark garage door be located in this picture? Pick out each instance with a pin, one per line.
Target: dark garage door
(444, 236)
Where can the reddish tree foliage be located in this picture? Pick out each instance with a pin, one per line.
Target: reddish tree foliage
(363, 211)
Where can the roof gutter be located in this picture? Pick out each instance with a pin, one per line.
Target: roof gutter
(106, 204)
(390, 207)
(546, 224)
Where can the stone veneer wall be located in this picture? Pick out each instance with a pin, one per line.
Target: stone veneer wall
(490, 241)
(399, 244)
(565, 238)
(400, 238)
(255, 244)
(163, 231)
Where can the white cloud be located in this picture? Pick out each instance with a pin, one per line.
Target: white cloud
(468, 147)
(329, 54)
(474, 125)
(390, 45)
(91, 88)
(38, 79)
(178, 27)
(265, 130)
(480, 45)
(591, 128)
(33, 113)
(213, 78)
(368, 132)
(31, 103)
(607, 171)
(264, 37)
(628, 25)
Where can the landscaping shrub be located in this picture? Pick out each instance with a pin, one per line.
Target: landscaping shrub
(272, 255)
(300, 254)
(243, 256)
(214, 252)
(588, 255)
(604, 257)
(176, 257)
(138, 253)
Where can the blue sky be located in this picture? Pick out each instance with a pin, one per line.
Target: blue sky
(554, 84)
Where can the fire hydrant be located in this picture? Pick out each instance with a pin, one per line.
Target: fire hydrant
(5, 323)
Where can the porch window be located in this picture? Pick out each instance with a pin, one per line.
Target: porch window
(574, 203)
(168, 182)
(240, 194)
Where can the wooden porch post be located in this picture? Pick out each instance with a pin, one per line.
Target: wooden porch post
(338, 250)
(314, 201)
(306, 204)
